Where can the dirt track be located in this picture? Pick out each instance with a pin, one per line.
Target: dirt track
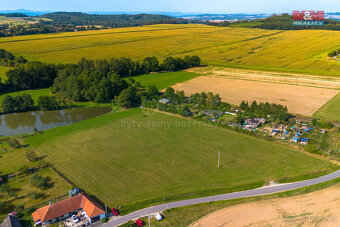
(299, 99)
(320, 208)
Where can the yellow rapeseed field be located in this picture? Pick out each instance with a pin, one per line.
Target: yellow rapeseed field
(292, 51)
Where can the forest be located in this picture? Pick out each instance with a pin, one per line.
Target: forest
(112, 21)
(70, 22)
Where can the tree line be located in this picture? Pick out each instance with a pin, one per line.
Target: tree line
(24, 102)
(112, 21)
(8, 59)
(89, 80)
(185, 106)
(70, 22)
(265, 110)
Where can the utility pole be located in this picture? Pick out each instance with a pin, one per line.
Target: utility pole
(149, 220)
(218, 164)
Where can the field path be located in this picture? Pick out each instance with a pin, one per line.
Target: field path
(228, 196)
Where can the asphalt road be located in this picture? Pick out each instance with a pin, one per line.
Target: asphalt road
(235, 195)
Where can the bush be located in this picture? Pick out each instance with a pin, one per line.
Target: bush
(20, 208)
(48, 103)
(30, 155)
(104, 220)
(24, 170)
(324, 124)
(33, 195)
(312, 148)
(14, 143)
(38, 181)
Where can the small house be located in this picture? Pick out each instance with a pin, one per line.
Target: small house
(323, 131)
(164, 101)
(212, 113)
(304, 141)
(295, 139)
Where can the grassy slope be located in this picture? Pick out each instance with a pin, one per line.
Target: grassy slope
(304, 51)
(331, 110)
(154, 162)
(164, 80)
(34, 93)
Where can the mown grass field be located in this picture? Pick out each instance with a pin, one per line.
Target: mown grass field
(164, 80)
(331, 110)
(133, 158)
(302, 51)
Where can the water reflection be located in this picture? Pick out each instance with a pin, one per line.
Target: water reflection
(19, 123)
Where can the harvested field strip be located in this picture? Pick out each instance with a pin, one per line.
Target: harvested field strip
(298, 99)
(81, 34)
(273, 77)
(319, 208)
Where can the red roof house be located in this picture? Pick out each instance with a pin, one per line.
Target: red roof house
(60, 210)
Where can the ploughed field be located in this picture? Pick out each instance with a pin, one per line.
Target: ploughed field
(302, 51)
(136, 158)
(298, 99)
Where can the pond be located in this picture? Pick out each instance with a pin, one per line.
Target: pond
(20, 123)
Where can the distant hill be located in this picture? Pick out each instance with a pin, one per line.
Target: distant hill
(13, 15)
(285, 22)
(24, 11)
(84, 19)
(278, 22)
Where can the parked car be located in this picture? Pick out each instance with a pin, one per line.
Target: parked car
(159, 217)
(115, 212)
(139, 222)
(75, 219)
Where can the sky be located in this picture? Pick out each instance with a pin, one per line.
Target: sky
(183, 6)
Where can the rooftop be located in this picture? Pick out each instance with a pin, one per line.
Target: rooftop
(63, 207)
(11, 221)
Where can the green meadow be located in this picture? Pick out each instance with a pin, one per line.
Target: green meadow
(135, 158)
(331, 110)
(164, 80)
(34, 93)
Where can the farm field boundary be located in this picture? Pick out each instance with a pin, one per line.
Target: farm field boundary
(299, 99)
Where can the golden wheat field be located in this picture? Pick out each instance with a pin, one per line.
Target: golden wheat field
(292, 51)
(298, 99)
